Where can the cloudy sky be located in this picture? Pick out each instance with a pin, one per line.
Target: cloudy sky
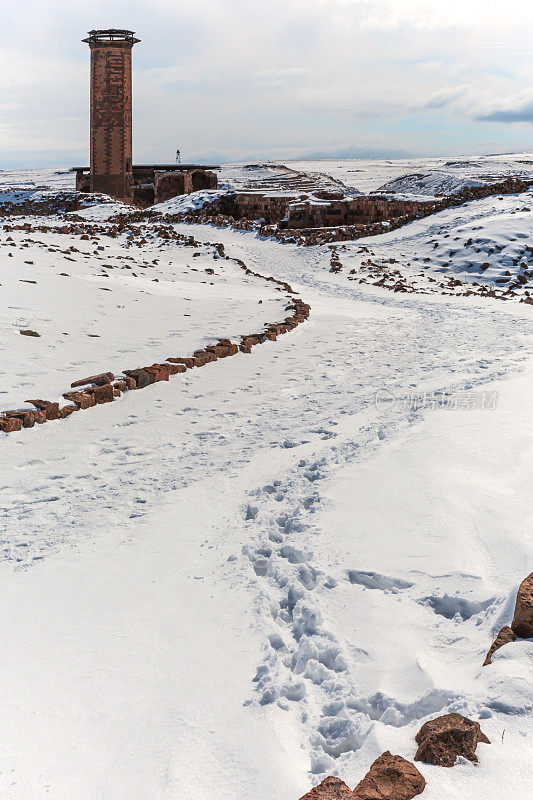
(241, 79)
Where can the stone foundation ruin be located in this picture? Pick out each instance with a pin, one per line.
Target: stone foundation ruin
(156, 183)
(321, 210)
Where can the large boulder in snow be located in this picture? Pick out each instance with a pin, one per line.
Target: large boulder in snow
(330, 789)
(441, 740)
(522, 623)
(390, 778)
(505, 636)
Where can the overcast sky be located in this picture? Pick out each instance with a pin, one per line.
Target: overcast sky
(258, 79)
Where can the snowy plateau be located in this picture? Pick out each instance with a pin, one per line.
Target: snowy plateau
(274, 568)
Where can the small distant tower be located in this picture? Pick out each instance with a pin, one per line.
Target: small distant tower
(111, 112)
(178, 157)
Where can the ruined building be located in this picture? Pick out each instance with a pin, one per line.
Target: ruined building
(111, 170)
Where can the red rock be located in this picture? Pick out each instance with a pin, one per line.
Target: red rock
(121, 385)
(142, 377)
(102, 394)
(130, 382)
(505, 636)
(176, 369)
(441, 740)
(66, 411)
(159, 371)
(271, 335)
(27, 416)
(522, 623)
(82, 399)
(8, 425)
(330, 789)
(50, 409)
(189, 362)
(29, 333)
(390, 778)
(202, 357)
(245, 348)
(98, 380)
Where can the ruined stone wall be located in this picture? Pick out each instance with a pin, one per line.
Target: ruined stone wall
(172, 184)
(359, 211)
(306, 214)
(251, 205)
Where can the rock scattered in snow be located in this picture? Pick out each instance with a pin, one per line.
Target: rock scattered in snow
(390, 778)
(522, 623)
(505, 636)
(330, 789)
(441, 740)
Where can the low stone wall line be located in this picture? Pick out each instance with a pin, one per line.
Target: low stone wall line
(106, 387)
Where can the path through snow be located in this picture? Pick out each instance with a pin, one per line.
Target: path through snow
(265, 518)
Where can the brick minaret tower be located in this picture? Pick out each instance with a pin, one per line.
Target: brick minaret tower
(111, 150)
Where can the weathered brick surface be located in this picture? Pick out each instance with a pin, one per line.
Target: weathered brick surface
(111, 112)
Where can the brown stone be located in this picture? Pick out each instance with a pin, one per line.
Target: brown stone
(82, 399)
(142, 377)
(50, 409)
(8, 425)
(505, 636)
(441, 740)
(522, 623)
(202, 357)
(390, 778)
(102, 394)
(189, 362)
(176, 369)
(130, 382)
(159, 371)
(223, 350)
(29, 333)
(98, 380)
(27, 416)
(121, 385)
(330, 789)
(66, 411)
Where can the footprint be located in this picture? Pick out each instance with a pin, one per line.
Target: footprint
(373, 580)
(449, 606)
(294, 554)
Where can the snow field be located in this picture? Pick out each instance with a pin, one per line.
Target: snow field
(238, 583)
(104, 305)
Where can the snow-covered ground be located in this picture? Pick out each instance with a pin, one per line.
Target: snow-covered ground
(422, 176)
(488, 242)
(280, 565)
(108, 304)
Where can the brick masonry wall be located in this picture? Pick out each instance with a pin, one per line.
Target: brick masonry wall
(111, 114)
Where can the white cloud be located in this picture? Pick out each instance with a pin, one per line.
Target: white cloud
(515, 108)
(233, 76)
